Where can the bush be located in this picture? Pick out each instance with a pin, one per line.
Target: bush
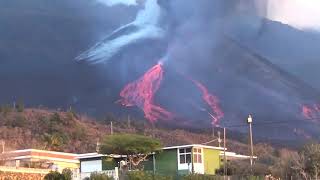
(54, 175)
(99, 176)
(20, 106)
(142, 175)
(18, 121)
(201, 177)
(67, 174)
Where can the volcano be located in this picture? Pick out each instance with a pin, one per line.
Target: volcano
(40, 39)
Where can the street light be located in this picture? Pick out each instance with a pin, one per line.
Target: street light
(249, 120)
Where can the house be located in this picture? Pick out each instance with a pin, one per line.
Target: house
(35, 164)
(95, 162)
(185, 159)
(34, 158)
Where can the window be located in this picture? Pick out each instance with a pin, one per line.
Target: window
(197, 155)
(185, 155)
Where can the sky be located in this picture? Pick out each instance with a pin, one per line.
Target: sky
(117, 2)
(301, 14)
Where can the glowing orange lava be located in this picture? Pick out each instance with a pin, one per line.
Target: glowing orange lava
(311, 111)
(212, 101)
(141, 93)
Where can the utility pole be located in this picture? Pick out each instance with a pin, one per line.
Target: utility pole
(251, 140)
(213, 131)
(129, 122)
(219, 139)
(224, 154)
(111, 128)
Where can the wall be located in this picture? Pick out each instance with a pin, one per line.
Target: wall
(91, 165)
(64, 165)
(211, 160)
(166, 162)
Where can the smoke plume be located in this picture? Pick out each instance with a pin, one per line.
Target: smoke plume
(145, 26)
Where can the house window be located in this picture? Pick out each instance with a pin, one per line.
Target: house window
(197, 155)
(185, 155)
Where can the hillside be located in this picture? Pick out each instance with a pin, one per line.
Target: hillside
(69, 132)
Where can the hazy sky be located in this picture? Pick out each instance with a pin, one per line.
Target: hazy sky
(115, 2)
(302, 14)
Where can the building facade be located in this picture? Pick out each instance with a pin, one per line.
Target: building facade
(187, 159)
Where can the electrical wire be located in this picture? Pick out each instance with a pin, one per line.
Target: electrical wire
(271, 122)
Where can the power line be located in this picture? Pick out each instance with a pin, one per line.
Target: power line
(272, 122)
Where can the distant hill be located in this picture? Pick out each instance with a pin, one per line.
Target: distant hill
(69, 132)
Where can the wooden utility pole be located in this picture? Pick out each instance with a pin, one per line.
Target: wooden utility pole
(251, 141)
(219, 138)
(224, 154)
(129, 122)
(213, 135)
(111, 128)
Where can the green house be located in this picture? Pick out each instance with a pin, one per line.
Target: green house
(174, 160)
(186, 159)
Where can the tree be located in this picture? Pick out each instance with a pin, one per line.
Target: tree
(136, 147)
(20, 106)
(307, 164)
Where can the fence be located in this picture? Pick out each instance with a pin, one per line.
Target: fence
(111, 173)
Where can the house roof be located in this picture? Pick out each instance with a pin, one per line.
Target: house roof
(193, 145)
(39, 154)
(97, 155)
(233, 155)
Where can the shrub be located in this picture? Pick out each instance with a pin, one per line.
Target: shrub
(200, 177)
(99, 176)
(18, 121)
(20, 106)
(67, 174)
(142, 175)
(54, 175)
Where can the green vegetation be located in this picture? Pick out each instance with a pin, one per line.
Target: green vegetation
(66, 131)
(99, 176)
(136, 147)
(5, 109)
(20, 106)
(55, 175)
(141, 175)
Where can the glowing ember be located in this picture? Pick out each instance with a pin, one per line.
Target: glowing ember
(212, 101)
(141, 93)
(311, 111)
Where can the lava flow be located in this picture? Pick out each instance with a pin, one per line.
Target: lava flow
(141, 93)
(212, 101)
(311, 111)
